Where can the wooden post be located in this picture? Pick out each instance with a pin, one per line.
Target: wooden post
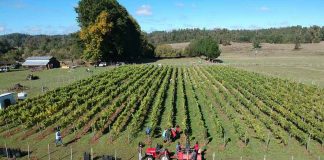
(268, 140)
(28, 151)
(292, 157)
(308, 142)
(115, 155)
(6, 150)
(91, 153)
(241, 158)
(213, 155)
(265, 157)
(48, 151)
(71, 153)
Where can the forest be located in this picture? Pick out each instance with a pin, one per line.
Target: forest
(14, 47)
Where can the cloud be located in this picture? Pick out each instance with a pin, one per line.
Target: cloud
(144, 10)
(264, 9)
(13, 4)
(2, 29)
(49, 29)
(180, 5)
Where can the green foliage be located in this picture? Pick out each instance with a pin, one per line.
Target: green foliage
(315, 34)
(256, 43)
(4, 46)
(297, 40)
(224, 36)
(93, 36)
(204, 46)
(124, 41)
(322, 34)
(166, 50)
(59, 46)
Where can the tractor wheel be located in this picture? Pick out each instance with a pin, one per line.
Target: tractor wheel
(148, 158)
(165, 157)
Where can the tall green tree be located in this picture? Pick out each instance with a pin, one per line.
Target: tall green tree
(206, 46)
(124, 41)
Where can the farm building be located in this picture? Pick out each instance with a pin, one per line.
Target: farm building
(48, 62)
(6, 100)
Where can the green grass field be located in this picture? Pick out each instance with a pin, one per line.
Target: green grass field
(214, 103)
(48, 78)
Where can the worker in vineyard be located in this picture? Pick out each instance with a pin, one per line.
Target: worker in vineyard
(187, 145)
(58, 138)
(173, 133)
(178, 129)
(196, 147)
(168, 134)
(178, 147)
(148, 130)
(164, 135)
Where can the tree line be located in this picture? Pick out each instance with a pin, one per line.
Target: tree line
(117, 44)
(16, 47)
(312, 34)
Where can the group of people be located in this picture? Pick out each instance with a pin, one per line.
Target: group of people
(187, 147)
(170, 134)
(194, 150)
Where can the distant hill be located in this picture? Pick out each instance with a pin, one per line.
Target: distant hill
(17, 46)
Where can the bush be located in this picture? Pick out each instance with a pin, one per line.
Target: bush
(204, 47)
(166, 50)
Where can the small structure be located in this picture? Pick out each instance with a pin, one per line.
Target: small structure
(22, 96)
(48, 62)
(6, 100)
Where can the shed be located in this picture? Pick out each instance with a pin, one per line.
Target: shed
(6, 100)
(48, 62)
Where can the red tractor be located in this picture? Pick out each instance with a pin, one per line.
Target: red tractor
(187, 155)
(164, 154)
(156, 153)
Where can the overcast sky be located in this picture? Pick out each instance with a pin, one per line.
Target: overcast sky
(59, 17)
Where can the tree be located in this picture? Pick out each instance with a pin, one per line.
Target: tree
(315, 33)
(166, 50)
(256, 44)
(297, 39)
(93, 36)
(122, 41)
(322, 34)
(205, 46)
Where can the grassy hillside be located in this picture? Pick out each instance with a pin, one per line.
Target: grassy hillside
(230, 112)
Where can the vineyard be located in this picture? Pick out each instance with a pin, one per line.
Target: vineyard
(230, 112)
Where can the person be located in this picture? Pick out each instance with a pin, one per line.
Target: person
(178, 129)
(173, 133)
(187, 145)
(148, 130)
(168, 134)
(58, 138)
(196, 147)
(178, 147)
(193, 156)
(164, 135)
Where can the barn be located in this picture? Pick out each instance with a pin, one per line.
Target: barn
(6, 100)
(47, 62)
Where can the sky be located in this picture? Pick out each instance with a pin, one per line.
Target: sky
(58, 16)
